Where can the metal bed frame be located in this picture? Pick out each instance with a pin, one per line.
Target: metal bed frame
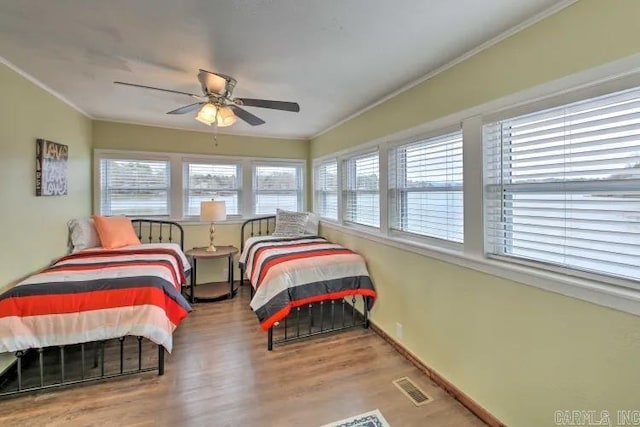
(148, 231)
(322, 317)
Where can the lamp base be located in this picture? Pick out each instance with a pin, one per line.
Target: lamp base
(212, 232)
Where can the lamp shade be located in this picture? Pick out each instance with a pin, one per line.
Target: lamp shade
(207, 114)
(211, 211)
(226, 117)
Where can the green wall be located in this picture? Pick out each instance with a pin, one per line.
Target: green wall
(519, 351)
(34, 229)
(121, 136)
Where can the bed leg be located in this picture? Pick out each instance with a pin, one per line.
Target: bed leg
(160, 360)
(19, 355)
(102, 358)
(41, 363)
(366, 312)
(270, 339)
(61, 364)
(95, 355)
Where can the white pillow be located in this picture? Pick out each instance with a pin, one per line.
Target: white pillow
(290, 224)
(312, 224)
(83, 234)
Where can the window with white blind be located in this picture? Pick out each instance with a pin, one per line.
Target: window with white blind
(206, 181)
(361, 189)
(326, 189)
(562, 186)
(277, 186)
(134, 187)
(425, 187)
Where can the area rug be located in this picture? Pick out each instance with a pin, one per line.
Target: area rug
(369, 419)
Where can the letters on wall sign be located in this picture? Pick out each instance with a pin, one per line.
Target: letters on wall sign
(51, 168)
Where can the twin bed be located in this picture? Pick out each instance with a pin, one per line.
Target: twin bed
(95, 298)
(303, 285)
(85, 299)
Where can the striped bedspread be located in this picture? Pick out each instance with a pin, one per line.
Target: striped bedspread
(290, 272)
(98, 294)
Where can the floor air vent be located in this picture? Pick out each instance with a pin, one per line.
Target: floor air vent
(412, 391)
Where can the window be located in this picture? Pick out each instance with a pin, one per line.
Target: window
(563, 186)
(206, 181)
(134, 187)
(174, 184)
(360, 189)
(425, 187)
(326, 189)
(277, 186)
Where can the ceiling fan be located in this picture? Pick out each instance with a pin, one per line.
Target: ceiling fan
(217, 105)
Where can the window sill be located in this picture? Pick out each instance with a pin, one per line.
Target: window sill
(623, 299)
(194, 222)
(232, 219)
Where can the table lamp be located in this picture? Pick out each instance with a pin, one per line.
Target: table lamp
(212, 211)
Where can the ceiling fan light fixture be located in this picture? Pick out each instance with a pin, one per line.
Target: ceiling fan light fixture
(207, 114)
(226, 117)
(217, 104)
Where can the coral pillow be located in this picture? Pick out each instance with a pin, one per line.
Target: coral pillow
(115, 231)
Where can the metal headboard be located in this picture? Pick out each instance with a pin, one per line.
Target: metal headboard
(158, 231)
(262, 226)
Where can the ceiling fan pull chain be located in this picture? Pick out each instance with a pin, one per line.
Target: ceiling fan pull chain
(215, 130)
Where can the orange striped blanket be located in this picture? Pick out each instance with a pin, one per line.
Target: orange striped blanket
(289, 272)
(96, 295)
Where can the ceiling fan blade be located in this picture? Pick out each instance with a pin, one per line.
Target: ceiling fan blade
(186, 108)
(265, 103)
(247, 116)
(160, 89)
(213, 82)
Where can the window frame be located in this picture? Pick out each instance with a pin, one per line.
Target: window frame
(569, 187)
(344, 167)
(317, 192)
(177, 162)
(239, 183)
(300, 191)
(391, 165)
(124, 156)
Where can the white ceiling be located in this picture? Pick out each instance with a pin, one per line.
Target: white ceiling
(334, 57)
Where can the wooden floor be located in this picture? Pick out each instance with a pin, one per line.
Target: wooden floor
(220, 374)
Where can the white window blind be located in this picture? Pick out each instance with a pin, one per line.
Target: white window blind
(361, 189)
(134, 187)
(206, 181)
(425, 187)
(277, 186)
(326, 189)
(563, 186)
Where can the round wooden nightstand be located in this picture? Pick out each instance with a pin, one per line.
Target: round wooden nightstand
(201, 253)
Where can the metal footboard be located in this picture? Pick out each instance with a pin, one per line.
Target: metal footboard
(318, 318)
(21, 377)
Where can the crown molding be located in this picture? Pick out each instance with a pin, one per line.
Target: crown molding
(42, 86)
(476, 50)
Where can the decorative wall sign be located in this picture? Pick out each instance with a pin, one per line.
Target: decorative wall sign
(51, 168)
